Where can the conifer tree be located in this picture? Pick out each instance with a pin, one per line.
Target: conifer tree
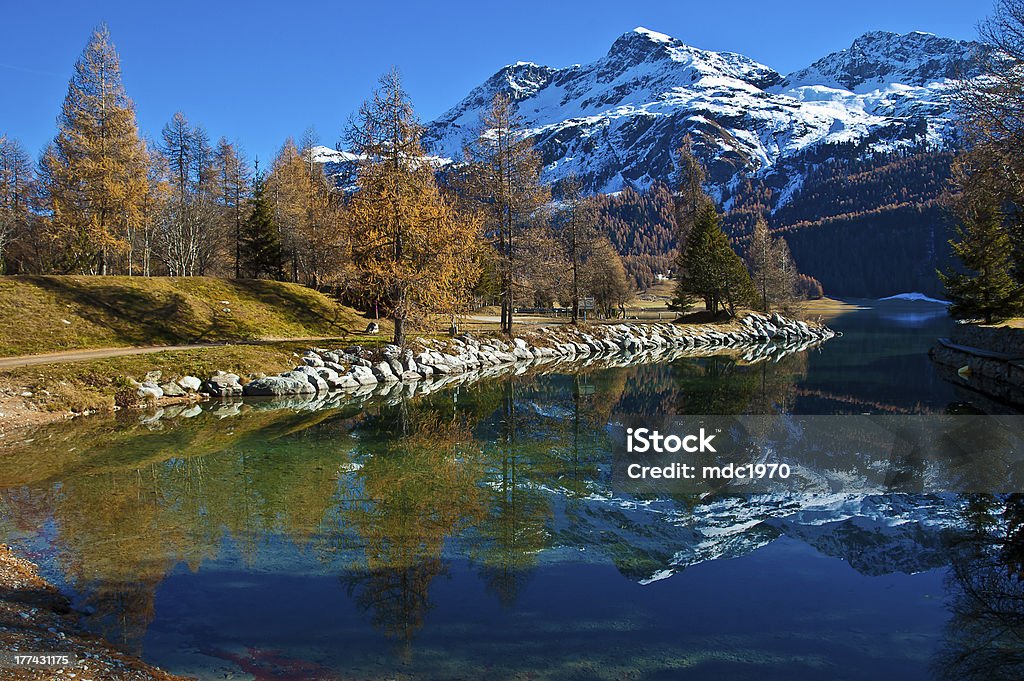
(287, 192)
(96, 167)
(987, 289)
(188, 234)
(503, 175)
(989, 112)
(690, 197)
(17, 189)
(154, 211)
(308, 213)
(262, 255)
(233, 177)
(417, 254)
(710, 269)
(578, 237)
(605, 278)
(772, 269)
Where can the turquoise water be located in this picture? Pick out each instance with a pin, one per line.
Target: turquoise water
(473, 534)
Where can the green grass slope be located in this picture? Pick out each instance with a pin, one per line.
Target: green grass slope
(41, 314)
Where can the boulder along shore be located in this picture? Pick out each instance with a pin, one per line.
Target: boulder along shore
(429, 363)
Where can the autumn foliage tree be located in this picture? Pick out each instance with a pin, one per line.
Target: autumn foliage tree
(232, 180)
(504, 178)
(578, 238)
(417, 253)
(188, 228)
(772, 269)
(308, 211)
(17, 188)
(606, 279)
(95, 170)
(990, 114)
(691, 199)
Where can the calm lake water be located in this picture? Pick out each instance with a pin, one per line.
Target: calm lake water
(473, 534)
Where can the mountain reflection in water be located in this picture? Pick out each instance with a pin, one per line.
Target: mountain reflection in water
(473, 533)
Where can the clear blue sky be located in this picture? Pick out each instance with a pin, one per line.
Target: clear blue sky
(259, 71)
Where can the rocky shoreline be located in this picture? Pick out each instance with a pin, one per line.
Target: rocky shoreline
(35, 617)
(430, 363)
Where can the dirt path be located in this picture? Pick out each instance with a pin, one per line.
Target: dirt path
(106, 353)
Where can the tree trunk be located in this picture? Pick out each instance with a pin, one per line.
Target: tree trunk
(399, 338)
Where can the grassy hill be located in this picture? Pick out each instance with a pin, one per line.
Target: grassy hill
(52, 313)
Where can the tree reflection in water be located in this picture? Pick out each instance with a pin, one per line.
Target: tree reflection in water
(985, 635)
(420, 489)
(374, 491)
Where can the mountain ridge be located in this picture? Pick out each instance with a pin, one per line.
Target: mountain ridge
(836, 156)
(616, 121)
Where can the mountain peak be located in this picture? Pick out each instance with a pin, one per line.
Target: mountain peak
(640, 45)
(654, 36)
(616, 121)
(878, 58)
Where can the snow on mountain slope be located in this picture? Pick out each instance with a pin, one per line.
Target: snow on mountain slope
(875, 533)
(881, 58)
(617, 121)
(915, 298)
(341, 166)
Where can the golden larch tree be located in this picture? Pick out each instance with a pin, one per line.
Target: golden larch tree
(307, 208)
(504, 176)
(418, 254)
(96, 167)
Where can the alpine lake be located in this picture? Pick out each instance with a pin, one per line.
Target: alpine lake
(473, 533)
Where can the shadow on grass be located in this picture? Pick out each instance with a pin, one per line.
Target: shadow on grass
(135, 316)
(296, 305)
(162, 314)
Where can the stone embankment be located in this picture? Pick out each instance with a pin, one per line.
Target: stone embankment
(984, 359)
(354, 369)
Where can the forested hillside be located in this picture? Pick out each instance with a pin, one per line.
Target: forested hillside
(863, 227)
(641, 226)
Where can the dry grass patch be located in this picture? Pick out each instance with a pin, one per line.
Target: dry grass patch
(40, 314)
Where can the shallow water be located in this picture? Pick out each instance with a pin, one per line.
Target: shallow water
(473, 533)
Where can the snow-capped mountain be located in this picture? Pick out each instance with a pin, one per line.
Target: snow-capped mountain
(875, 533)
(617, 121)
(880, 58)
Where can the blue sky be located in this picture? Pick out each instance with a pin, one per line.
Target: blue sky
(259, 71)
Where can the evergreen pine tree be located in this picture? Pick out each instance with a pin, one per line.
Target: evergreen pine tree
(261, 252)
(987, 289)
(710, 268)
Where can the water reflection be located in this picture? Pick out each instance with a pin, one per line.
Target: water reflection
(985, 636)
(499, 482)
(418, 488)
